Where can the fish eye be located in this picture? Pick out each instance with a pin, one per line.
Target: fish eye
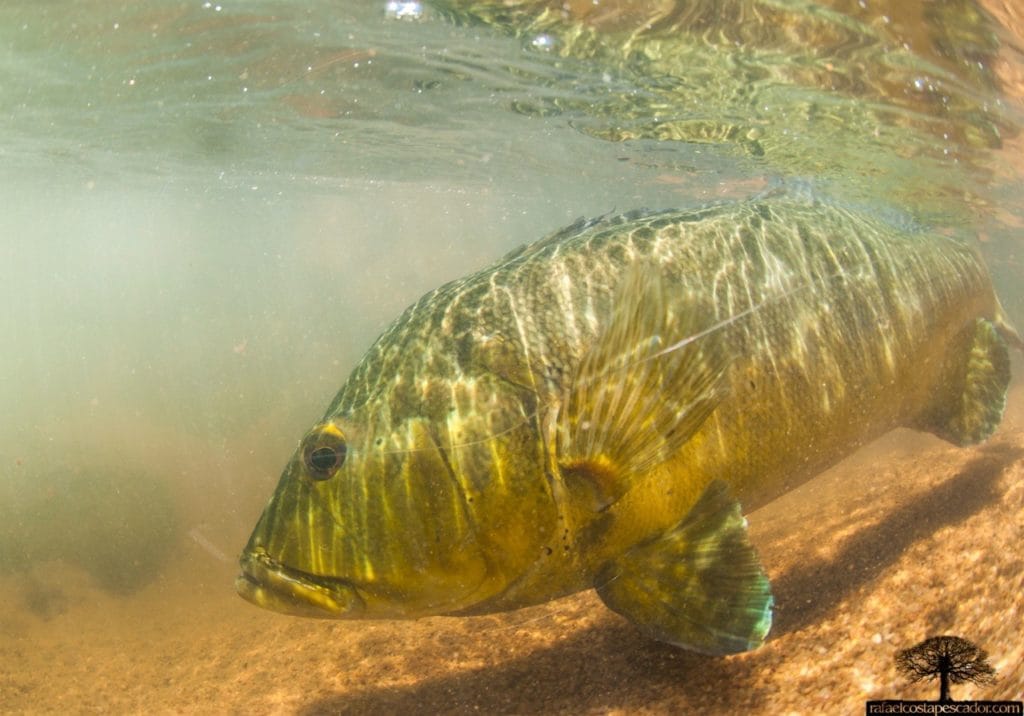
(324, 453)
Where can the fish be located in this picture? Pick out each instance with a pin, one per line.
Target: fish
(592, 410)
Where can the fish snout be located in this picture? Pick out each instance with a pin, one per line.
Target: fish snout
(271, 585)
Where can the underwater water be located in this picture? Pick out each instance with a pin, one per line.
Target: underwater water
(210, 210)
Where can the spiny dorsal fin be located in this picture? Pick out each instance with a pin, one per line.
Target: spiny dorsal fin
(643, 389)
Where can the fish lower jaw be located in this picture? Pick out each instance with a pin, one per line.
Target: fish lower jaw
(279, 588)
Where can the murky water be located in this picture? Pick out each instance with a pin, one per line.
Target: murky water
(211, 209)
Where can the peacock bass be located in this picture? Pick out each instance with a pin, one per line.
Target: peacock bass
(591, 410)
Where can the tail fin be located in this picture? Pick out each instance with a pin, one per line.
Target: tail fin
(970, 408)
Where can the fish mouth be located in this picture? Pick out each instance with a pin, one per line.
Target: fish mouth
(269, 584)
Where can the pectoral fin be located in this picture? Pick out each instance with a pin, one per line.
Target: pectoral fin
(699, 585)
(643, 389)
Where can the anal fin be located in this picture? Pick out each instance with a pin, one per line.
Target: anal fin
(700, 585)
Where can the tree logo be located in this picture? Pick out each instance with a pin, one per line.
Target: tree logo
(950, 659)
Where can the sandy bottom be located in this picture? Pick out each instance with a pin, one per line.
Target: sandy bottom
(907, 539)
